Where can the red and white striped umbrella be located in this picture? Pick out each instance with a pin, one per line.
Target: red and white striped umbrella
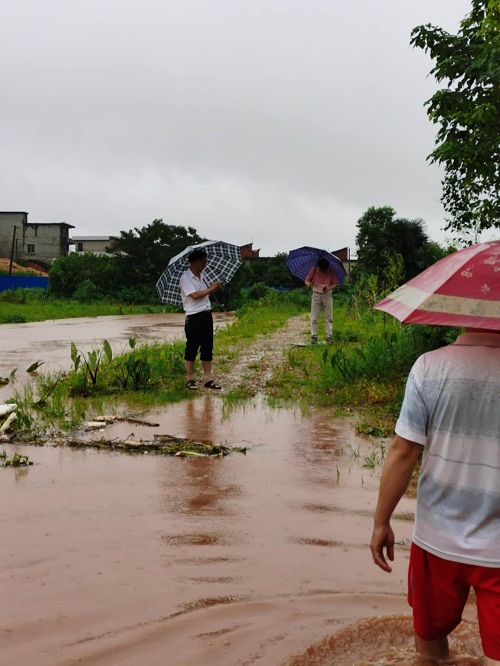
(462, 289)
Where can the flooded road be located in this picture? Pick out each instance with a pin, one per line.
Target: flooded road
(49, 342)
(260, 558)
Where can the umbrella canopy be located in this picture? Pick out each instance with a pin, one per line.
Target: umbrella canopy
(462, 289)
(301, 260)
(223, 260)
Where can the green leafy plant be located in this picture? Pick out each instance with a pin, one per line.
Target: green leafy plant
(90, 361)
(17, 460)
(133, 369)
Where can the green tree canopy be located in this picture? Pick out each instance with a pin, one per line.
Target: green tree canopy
(68, 273)
(382, 237)
(143, 254)
(468, 110)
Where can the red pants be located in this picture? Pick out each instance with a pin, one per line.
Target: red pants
(438, 591)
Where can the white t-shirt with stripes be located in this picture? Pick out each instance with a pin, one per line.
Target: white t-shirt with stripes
(452, 408)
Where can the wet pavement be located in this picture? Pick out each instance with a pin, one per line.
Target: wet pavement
(258, 558)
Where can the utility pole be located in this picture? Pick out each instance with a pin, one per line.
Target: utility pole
(12, 250)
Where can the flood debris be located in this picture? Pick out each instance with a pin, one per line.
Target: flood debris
(101, 422)
(6, 431)
(7, 408)
(160, 445)
(17, 460)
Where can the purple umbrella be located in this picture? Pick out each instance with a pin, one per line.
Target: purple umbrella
(301, 260)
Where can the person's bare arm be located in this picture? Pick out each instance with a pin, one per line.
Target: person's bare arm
(215, 286)
(396, 475)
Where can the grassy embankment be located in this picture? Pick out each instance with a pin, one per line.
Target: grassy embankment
(364, 369)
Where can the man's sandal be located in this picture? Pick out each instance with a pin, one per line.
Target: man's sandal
(191, 385)
(212, 385)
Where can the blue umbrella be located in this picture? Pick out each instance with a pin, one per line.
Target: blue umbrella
(301, 260)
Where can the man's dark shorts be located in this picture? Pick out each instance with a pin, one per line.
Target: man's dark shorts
(199, 329)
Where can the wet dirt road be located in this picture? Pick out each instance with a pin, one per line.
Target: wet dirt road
(113, 559)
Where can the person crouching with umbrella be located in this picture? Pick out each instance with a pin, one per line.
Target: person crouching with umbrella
(323, 280)
(199, 326)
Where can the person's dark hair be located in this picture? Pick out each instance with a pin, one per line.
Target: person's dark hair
(197, 254)
(323, 264)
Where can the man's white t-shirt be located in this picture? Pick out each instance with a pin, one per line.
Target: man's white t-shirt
(452, 408)
(189, 283)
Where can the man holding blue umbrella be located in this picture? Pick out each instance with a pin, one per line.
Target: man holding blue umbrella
(322, 271)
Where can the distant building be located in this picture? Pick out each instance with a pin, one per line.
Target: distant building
(24, 241)
(248, 253)
(93, 244)
(344, 254)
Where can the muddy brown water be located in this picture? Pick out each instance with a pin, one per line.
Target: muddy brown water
(143, 560)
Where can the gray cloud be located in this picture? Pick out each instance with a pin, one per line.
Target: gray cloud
(278, 122)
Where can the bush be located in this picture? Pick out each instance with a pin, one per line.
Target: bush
(87, 292)
(257, 292)
(24, 295)
(12, 318)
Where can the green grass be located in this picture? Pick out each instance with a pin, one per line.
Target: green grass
(365, 369)
(26, 305)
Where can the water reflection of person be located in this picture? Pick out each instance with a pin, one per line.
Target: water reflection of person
(205, 491)
(451, 408)
(199, 423)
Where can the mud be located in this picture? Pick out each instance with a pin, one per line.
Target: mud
(111, 559)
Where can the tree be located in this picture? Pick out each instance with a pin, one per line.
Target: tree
(68, 274)
(468, 110)
(143, 254)
(382, 238)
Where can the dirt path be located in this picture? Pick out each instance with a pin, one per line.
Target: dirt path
(255, 362)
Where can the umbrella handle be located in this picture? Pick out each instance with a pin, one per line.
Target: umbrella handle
(213, 294)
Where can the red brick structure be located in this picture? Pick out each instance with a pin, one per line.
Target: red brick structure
(249, 254)
(344, 254)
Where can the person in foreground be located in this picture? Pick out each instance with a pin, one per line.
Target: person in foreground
(451, 411)
(199, 326)
(323, 280)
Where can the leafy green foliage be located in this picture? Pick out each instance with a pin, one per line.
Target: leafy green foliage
(468, 112)
(17, 460)
(394, 250)
(133, 370)
(24, 295)
(34, 366)
(143, 254)
(87, 292)
(129, 271)
(90, 362)
(84, 275)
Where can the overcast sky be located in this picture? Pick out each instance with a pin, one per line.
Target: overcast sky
(277, 122)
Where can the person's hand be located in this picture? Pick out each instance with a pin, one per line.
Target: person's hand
(382, 537)
(215, 286)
